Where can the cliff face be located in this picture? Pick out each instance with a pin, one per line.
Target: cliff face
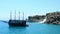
(53, 18)
(36, 18)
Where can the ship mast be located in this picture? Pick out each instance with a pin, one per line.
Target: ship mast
(15, 15)
(19, 15)
(23, 15)
(10, 15)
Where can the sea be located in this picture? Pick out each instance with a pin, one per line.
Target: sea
(32, 28)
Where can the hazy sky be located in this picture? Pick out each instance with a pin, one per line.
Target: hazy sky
(29, 7)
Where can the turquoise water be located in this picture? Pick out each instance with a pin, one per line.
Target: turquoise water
(33, 28)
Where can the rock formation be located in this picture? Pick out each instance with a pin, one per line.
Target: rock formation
(36, 18)
(53, 18)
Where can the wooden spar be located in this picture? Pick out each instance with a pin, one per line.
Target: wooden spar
(10, 15)
(19, 15)
(15, 15)
(23, 15)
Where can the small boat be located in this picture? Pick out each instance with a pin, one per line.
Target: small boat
(16, 22)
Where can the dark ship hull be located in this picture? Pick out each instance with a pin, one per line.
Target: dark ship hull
(17, 22)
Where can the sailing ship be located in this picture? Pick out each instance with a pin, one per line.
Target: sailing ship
(16, 22)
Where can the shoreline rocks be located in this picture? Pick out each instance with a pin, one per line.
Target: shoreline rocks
(36, 18)
(53, 18)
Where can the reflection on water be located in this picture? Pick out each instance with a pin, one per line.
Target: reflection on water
(17, 30)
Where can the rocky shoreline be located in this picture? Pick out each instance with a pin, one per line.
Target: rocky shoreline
(36, 18)
(53, 18)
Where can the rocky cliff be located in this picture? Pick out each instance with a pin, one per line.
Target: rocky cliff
(53, 18)
(36, 18)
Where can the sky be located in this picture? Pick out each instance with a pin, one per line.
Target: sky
(29, 7)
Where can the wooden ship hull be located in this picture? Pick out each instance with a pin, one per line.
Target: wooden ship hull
(17, 23)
